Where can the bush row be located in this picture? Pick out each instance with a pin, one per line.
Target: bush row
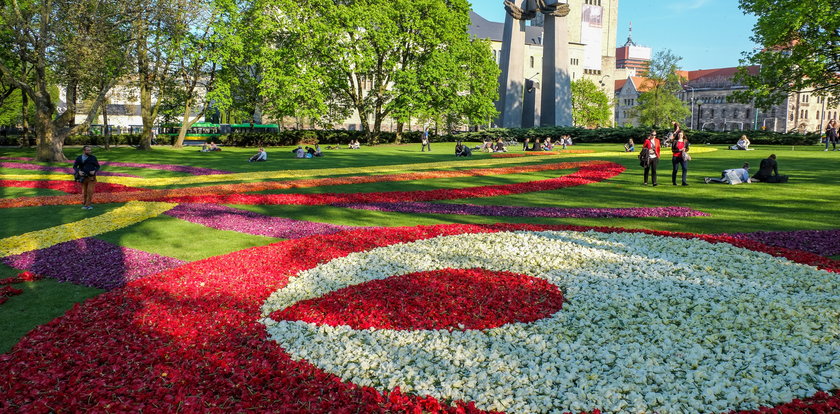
(638, 134)
(343, 137)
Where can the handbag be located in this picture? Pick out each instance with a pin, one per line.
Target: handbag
(685, 156)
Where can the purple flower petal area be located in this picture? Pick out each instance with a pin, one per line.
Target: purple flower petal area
(821, 242)
(68, 170)
(165, 167)
(514, 211)
(92, 262)
(227, 218)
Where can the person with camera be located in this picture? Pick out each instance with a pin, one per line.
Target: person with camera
(85, 169)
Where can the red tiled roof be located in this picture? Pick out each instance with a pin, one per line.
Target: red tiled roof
(641, 84)
(620, 84)
(717, 73)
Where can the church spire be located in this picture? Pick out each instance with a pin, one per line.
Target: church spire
(630, 41)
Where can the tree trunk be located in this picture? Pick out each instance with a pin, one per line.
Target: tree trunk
(50, 148)
(105, 131)
(399, 134)
(146, 113)
(377, 127)
(24, 116)
(366, 127)
(185, 125)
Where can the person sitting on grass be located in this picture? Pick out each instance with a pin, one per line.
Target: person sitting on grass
(318, 152)
(732, 176)
(299, 152)
(547, 145)
(213, 147)
(536, 146)
(500, 146)
(260, 156)
(768, 171)
(742, 145)
(462, 150)
(630, 146)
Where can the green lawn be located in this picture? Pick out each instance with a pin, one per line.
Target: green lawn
(809, 201)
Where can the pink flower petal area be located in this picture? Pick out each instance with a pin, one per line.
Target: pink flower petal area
(166, 167)
(516, 211)
(188, 339)
(68, 170)
(92, 262)
(821, 242)
(244, 221)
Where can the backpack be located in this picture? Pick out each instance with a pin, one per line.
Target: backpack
(644, 157)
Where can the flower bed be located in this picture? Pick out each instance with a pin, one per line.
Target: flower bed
(588, 173)
(165, 167)
(516, 211)
(652, 321)
(243, 221)
(118, 218)
(217, 194)
(66, 170)
(821, 242)
(71, 187)
(91, 262)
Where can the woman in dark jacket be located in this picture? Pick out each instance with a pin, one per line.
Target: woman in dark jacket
(85, 168)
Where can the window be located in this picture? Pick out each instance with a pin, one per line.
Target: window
(747, 113)
(723, 112)
(711, 113)
(806, 114)
(532, 62)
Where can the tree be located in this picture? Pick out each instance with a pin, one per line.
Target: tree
(80, 42)
(590, 105)
(800, 51)
(658, 102)
(380, 59)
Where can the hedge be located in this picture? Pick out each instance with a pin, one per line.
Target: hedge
(343, 137)
(622, 134)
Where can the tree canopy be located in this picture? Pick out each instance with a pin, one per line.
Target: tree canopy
(659, 103)
(800, 50)
(590, 105)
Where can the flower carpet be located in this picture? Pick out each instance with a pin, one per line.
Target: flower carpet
(458, 318)
(204, 335)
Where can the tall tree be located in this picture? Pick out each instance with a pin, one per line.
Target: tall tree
(800, 50)
(590, 105)
(659, 103)
(52, 38)
(195, 68)
(381, 58)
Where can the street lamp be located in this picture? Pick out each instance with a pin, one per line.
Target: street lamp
(691, 120)
(699, 113)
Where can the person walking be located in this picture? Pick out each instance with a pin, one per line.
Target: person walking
(653, 146)
(680, 157)
(85, 169)
(831, 135)
(424, 141)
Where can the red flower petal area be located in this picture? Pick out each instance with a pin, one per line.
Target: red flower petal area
(188, 339)
(71, 187)
(452, 299)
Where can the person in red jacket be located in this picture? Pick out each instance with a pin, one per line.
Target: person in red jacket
(652, 144)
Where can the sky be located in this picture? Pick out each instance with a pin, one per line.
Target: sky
(707, 34)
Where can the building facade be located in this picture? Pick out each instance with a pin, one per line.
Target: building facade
(708, 93)
(592, 38)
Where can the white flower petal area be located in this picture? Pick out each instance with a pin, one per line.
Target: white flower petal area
(653, 324)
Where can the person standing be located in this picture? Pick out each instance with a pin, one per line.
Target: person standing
(85, 169)
(831, 135)
(653, 146)
(424, 141)
(680, 157)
